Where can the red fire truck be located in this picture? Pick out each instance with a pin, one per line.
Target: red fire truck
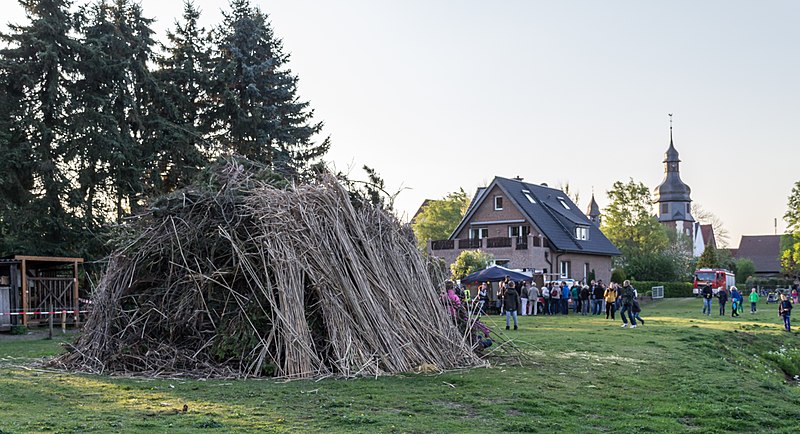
(716, 277)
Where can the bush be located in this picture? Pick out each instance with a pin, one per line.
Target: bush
(618, 275)
(19, 329)
(671, 289)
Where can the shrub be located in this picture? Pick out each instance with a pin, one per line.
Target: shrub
(618, 275)
(19, 329)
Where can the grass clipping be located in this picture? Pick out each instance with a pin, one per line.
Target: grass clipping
(253, 280)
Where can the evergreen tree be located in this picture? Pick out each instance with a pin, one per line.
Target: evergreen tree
(255, 109)
(184, 79)
(117, 110)
(38, 61)
(708, 259)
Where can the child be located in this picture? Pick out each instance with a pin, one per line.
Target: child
(785, 310)
(753, 300)
(636, 309)
(736, 301)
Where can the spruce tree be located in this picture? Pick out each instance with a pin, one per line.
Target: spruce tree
(38, 61)
(255, 110)
(184, 79)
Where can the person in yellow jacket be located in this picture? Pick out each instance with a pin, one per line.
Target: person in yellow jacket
(610, 296)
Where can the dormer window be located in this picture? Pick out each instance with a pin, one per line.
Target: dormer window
(563, 202)
(498, 203)
(582, 233)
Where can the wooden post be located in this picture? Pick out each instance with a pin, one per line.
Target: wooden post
(75, 294)
(50, 320)
(63, 321)
(24, 292)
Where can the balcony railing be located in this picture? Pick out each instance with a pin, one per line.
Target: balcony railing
(499, 242)
(472, 243)
(443, 245)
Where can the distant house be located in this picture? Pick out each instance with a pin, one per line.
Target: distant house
(703, 236)
(531, 227)
(764, 251)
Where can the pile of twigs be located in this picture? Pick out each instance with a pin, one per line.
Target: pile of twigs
(254, 280)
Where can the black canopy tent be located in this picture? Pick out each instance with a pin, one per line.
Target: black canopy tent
(495, 273)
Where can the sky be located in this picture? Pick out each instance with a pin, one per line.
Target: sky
(440, 95)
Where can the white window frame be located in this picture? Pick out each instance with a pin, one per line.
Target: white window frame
(582, 233)
(528, 196)
(563, 269)
(481, 232)
(519, 229)
(563, 202)
(498, 208)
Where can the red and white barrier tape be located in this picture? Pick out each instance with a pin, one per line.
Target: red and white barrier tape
(40, 312)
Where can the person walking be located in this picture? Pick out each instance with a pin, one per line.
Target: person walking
(627, 304)
(610, 297)
(785, 310)
(637, 311)
(708, 296)
(753, 300)
(722, 295)
(511, 304)
(533, 299)
(736, 301)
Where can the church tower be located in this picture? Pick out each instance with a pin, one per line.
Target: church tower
(673, 201)
(593, 212)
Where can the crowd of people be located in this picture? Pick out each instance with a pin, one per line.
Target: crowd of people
(559, 298)
(785, 302)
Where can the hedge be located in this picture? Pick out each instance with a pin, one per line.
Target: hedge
(671, 289)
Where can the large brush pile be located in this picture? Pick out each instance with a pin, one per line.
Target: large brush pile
(254, 280)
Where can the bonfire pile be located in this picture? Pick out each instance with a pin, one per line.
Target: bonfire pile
(254, 280)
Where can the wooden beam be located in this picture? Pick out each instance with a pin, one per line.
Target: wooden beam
(24, 292)
(46, 259)
(75, 294)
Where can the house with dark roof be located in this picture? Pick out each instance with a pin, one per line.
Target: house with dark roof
(531, 227)
(764, 251)
(703, 236)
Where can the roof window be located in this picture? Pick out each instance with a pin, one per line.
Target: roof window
(563, 202)
(528, 196)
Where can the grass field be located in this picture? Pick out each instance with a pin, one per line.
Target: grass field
(680, 372)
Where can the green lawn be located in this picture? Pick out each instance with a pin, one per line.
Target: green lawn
(680, 372)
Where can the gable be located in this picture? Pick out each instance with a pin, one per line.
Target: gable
(549, 211)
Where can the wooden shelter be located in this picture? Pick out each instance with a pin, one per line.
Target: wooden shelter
(31, 285)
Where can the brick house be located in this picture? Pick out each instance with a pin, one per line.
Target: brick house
(531, 227)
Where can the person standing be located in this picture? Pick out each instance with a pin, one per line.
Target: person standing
(511, 304)
(584, 298)
(533, 299)
(546, 300)
(736, 301)
(555, 298)
(598, 295)
(723, 298)
(574, 294)
(481, 298)
(564, 290)
(610, 297)
(708, 296)
(523, 296)
(627, 304)
(753, 300)
(785, 310)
